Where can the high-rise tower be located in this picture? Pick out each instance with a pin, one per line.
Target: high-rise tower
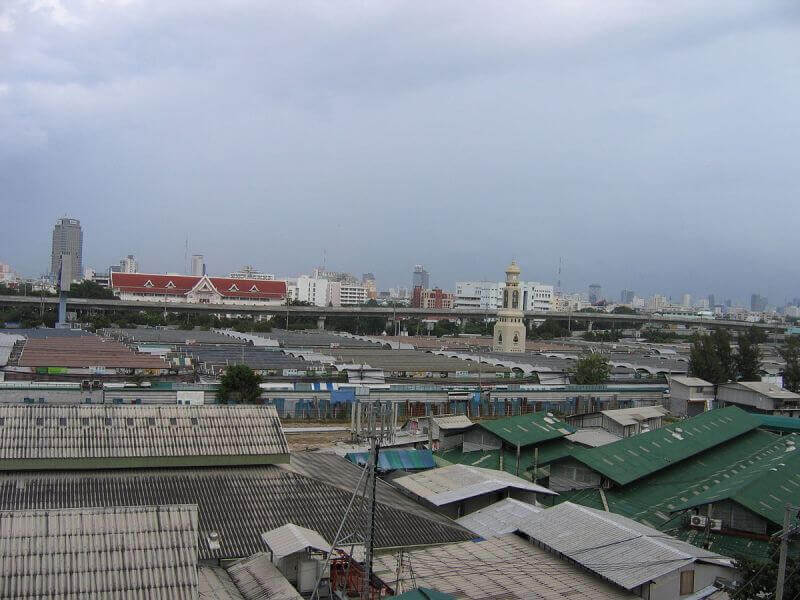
(509, 331)
(67, 242)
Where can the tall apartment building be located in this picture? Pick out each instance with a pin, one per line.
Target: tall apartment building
(595, 293)
(758, 303)
(198, 265)
(627, 296)
(435, 298)
(313, 290)
(346, 294)
(420, 277)
(129, 264)
(67, 250)
(368, 281)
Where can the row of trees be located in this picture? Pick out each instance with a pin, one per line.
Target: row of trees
(712, 357)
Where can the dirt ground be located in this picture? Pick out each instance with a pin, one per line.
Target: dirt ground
(311, 441)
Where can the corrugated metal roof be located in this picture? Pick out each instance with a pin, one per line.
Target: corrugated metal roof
(214, 583)
(612, 546)
(765, 388)
(457, 482)
(776, 423)
(496, 519)
(490, 459)
(337, 471)
(633, 415)
(593, 437)
(290, 538)
(424, 594)
(501, 568)
(690, 381)
(453, 422)
(239, 503)
(651, 500)
(525, 430)
(396, 459)
(120, 552)
(634, 457)
(258, 579)
(763, 486)
(53, 434)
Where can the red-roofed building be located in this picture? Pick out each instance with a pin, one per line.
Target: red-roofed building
(197, 290)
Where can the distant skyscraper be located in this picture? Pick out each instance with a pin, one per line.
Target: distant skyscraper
(129, 264)
(758, 303)
(67, 241)
(420, 278)
(626, 297)
(198, 265)
(711, 302)
(687, 300)
(595, 294)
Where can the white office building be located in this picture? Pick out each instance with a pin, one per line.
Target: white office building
(488, 295)
(313, 290)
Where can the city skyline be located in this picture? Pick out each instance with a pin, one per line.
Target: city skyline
(652, 147)
(191, 268)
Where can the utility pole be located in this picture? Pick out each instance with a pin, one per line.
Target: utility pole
(372, 466)
(787, 515)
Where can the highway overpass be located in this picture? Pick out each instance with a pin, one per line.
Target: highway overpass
(90, 304)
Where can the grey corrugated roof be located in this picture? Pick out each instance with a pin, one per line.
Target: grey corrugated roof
(54, 434)
(593, 437)
(453, 422)
(452, 483)
(496, 519)
(612, 546)
(239, 503)
(214, 583)
(635, 414)
(506, 567)
(120, 552)
(258, 579)
(336, 470)
(290, 538)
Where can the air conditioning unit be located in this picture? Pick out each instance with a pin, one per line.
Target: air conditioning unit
(716, 525)
(698, 521)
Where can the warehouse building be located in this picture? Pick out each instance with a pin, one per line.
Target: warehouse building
(656, 566)
(761, 397)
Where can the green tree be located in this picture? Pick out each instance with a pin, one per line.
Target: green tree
(239, 384)
(790, 352)
(90, 289)
(623, 310)
(592, 369)
(711, 357)
(748, 358)
(758, 579)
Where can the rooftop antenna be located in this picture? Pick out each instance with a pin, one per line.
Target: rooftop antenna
(186, 256)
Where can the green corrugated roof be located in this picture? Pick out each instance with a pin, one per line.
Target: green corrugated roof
(424, 594)
(635, 457)
(529, 429)
(653, 500)
(763, 485)
(490, 459)
(776, 423)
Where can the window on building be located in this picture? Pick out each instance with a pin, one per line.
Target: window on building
(39, 421)
(62, 421)
(129, 421)
(687, 582)
(85, 421)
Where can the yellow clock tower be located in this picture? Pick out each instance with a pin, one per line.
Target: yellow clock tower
(509, 331)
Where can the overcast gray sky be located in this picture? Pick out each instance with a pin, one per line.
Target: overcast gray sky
(654, 145)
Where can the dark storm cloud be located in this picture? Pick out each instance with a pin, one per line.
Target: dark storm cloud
(651, 144)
